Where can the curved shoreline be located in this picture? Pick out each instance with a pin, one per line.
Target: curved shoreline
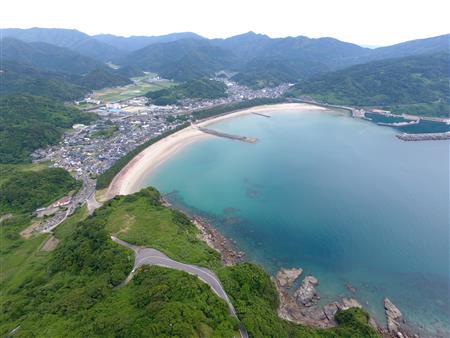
(129, 179)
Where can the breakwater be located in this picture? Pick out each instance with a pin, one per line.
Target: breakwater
(229, 136)
(424, 137)
(260, 114)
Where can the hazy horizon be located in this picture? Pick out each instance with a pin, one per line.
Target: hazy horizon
(368, 24)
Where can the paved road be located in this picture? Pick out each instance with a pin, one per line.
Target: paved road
(147, 256)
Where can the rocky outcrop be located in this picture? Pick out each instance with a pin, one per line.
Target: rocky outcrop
(215, 240)
(300, 305)
(343, 304)
(286, 277)
(306, 293)
(393, 316)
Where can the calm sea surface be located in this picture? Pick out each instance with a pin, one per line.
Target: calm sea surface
(342, 198)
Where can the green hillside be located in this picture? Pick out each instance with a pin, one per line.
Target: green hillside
(181, 60)
(47, 57)
(417, 84)
(75, 287)
(72, 39)
(31, 122)
(101, 78)
(23, 191)
(24, 79)
(195, 89)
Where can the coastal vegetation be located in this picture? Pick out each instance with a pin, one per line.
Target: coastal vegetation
(31, 122)
(75, 287)
(194, 89)
(414, 85)
(104, 179)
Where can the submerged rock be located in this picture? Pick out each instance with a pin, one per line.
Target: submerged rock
(306, 293)
(286, 277)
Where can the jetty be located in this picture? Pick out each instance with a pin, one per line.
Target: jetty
(260, 114)
(229, 136)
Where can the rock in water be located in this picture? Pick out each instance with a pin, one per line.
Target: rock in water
(286, 277)
(393, 316)
(306, 293)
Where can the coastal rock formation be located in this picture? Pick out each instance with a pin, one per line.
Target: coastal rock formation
(300, 306)
(347, 303)
(393, 316)
(215, 240)
(286, 277)
(306, 293)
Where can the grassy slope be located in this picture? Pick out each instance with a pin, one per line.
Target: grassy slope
(70, 291)
(135, 220)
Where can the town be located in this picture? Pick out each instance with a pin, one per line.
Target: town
(87, 151)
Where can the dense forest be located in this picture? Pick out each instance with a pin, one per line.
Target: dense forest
(31, 122)
(23, 191)
(75, 287)
(194, 89)
(24, 79)
(418, 84)
(18, 78)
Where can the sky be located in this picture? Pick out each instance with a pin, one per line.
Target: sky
(377, 22)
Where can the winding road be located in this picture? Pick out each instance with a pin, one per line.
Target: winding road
(147, 256)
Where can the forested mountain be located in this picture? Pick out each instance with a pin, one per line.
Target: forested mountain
(411, 80)
(132, 43)
(68, 38)
(181, 60)
(330, 52)
(47, 57)
(265, 61)
(259, 59)
(103, 77)
(414, 47)
(20, 78)
(194, 89)
(31, 122)
(23, 79)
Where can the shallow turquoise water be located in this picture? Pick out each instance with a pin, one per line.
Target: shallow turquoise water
(342, 198)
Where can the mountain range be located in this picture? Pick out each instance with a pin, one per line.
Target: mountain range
(62, 63)
(186, 56)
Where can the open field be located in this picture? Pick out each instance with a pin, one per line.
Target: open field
(138, 88)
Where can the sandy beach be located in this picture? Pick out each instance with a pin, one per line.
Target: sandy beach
(129, 179)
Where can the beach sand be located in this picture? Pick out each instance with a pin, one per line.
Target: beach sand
(129, 179)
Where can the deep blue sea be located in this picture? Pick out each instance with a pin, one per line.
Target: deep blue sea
(342, 198)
